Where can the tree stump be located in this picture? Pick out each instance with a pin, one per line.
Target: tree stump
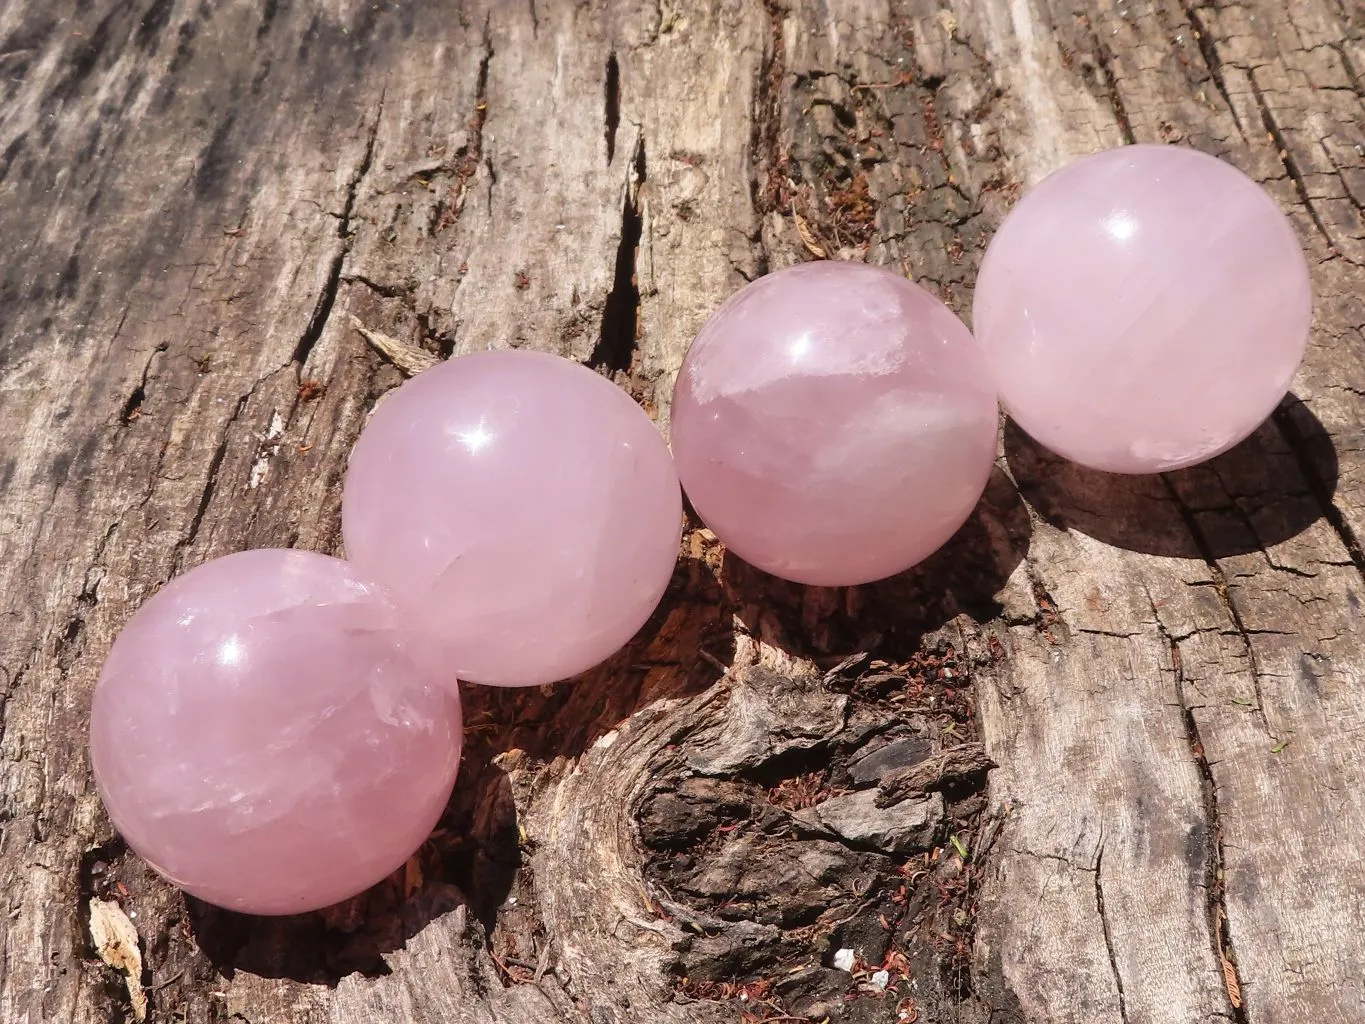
(1099, 761)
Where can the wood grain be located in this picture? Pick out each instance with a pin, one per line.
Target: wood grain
(196, 198)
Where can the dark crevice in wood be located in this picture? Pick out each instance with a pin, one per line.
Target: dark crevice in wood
(765, 184)
(616, 348)
(210, 483)
(152, 24)
(89, 594)
(269, 9)
(1045, 619)
(216, 161)
(1105, 58)
(1209, 51)
(388, 291)
(322, 310)
(1108, 936)
(476, 126)
(11, 153)
(1352, 75)
(86, 53)
(1291, 166)
(92, 875)
(69, 644)
(480, 118)
(470, 155)
(443, 342)
(1320, 488)
(132, 407)
(1220, 583)
(1214, 860)
(95, 862)
(613, 104)
(773, 936)
(535, 19)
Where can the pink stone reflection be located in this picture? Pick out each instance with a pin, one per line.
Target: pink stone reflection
(263, 736)
(1143, 309)
(524, 508)
(834, 423)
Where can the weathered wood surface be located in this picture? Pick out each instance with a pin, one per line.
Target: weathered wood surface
(195, 200)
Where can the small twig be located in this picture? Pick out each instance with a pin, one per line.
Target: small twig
(712, 660)
(169, 981)
(544, 963)
(502, 969)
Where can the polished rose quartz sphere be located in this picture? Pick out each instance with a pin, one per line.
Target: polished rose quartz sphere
(1143, 309)
(833, 423)
(263, 736)
(524, 508)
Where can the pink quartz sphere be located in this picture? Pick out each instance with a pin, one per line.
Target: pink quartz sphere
(1143, 309)
(524, 508)
(263, 736)
(833, 423)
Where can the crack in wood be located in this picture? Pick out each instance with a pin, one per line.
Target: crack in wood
(1320, 489)
(1291, 166)
(613, 104)
(1209, 51)
(1104, 57)
(402, 291)
(470, 155)
(210, 484)
(1221, 587)
(132, 408)
(1215, 904)
(322, 309)
(1108, 936)
(767, 159)
(618, 345)
(1349, 67)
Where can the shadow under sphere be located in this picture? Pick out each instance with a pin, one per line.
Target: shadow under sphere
(471, 859)
(474, 856)
(891, 616)
(1263, 491)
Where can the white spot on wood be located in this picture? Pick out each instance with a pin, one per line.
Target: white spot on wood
(269, 449)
